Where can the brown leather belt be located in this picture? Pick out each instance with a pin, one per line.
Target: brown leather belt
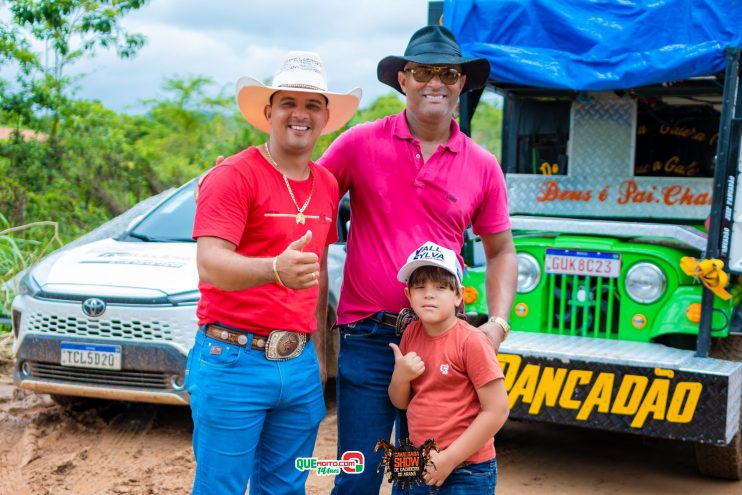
(385, 318)
(399, 321)
(235, 337)
(279, 345)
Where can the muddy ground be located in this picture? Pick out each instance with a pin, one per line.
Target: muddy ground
(101, 448)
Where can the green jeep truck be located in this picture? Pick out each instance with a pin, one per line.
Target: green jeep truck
(618, 183)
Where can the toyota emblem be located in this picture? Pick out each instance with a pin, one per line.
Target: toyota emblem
(93, 307)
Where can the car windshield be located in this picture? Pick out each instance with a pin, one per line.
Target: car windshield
(171, 221)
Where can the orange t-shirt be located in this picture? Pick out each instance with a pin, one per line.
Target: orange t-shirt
(444, 398)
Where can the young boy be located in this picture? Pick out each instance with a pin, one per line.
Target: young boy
(447, 377)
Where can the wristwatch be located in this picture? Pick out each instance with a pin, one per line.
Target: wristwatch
(503, 323)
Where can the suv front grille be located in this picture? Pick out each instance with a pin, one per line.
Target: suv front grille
(135, 379)
(584, 306)
(84, 327)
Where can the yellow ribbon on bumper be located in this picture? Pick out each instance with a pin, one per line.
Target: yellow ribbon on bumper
(710, 272)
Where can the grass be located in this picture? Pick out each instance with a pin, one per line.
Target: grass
(21, 247)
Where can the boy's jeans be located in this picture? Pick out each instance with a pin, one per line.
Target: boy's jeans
(251, 417)
(475, 479)
(365, 413)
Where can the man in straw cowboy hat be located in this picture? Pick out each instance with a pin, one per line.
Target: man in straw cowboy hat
(412, 177)
(264, 219)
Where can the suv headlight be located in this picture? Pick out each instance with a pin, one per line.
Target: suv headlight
(529, 272)
(645, 283)
(29, 286)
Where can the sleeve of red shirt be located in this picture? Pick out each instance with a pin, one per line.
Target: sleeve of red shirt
(223, 205)
(339, 159)
(480, 360)
(492, 215)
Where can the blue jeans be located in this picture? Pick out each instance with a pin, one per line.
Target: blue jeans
(475, 479)
(251, 417)
(365, 413)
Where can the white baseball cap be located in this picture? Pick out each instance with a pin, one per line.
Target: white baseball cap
(431, 254)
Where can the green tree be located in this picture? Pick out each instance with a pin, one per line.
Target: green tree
(69, 30)
(486, 127)
(16, 50)
(50, 175)
(381, 107)
(186, 129)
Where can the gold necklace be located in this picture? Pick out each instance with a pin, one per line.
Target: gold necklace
(300, 217)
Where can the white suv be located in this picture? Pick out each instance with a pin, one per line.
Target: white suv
(114, 319)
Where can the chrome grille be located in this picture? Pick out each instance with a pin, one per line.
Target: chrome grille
(135, 379)
(87, 327)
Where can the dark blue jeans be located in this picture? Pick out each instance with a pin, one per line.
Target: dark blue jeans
(365, 413)
(476, 479)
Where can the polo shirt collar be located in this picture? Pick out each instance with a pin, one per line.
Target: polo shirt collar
(401, 130)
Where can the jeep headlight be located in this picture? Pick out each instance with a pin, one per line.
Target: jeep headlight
(529, 272)
(645, 283)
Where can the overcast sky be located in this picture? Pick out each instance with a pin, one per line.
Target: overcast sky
(225, 40)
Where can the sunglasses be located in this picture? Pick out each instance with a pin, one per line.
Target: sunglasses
(424, 73)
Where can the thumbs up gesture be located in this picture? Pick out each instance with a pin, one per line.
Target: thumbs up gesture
(407, 367)
(298, 270)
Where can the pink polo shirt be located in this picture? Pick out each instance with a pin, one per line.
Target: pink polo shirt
(398, 203)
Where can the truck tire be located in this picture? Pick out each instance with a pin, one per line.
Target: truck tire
(715, 460)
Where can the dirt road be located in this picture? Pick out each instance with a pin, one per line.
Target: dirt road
(104, 448)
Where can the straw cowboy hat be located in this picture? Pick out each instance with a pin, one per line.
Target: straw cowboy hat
(300, 71)
(434, 45)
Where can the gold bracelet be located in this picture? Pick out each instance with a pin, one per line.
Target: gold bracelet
(503, 323)
(275, 271)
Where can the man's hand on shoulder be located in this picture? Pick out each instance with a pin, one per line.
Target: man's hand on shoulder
(219, 159)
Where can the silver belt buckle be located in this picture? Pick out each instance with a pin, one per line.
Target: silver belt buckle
(283, 345)
(404, 318)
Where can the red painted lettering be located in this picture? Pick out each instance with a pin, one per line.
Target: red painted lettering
(550, 191)
(685, 196)
(629, 192)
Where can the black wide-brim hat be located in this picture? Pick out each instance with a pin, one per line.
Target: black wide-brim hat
(434, 45)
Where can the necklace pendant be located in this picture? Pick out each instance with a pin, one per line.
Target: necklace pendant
(300, 218)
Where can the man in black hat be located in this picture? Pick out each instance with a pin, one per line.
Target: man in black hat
(412, 177)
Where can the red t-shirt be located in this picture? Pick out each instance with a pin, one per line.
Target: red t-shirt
(444, 398)
(244, 200)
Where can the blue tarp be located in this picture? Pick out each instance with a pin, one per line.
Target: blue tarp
(596, 44)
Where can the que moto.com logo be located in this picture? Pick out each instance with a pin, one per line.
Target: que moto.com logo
(351, 462)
